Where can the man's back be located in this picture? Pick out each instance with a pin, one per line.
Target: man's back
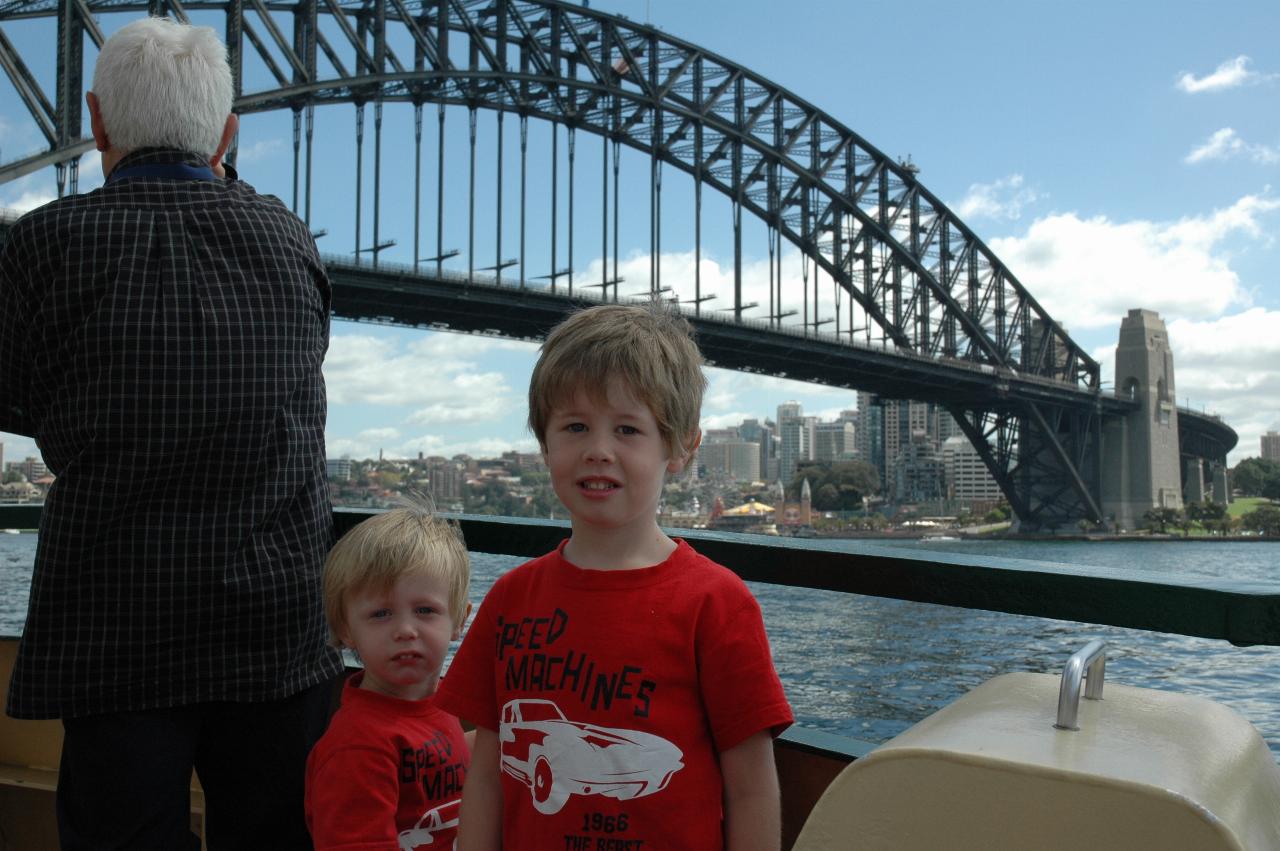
(163, 339)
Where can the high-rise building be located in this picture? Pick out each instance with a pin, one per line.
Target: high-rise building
(968, 479)
(869, 437)
(737, 460)
(919, 474)
(338, 469)
(763, 435)
(1271, 446)
(795, 432)
(834, 441)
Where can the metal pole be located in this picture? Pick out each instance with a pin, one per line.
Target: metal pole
(297, 144)
(471, 202)
(311, 126)
(359, 160)
(572, 139)
(417, 180)
(604, 217)
(440, 191)
(524, 149)
(377, 177)
(497, 267)
(617, 155)
(555, 165)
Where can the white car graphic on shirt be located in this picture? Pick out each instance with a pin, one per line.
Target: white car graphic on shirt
(442, 818)
(556, 757)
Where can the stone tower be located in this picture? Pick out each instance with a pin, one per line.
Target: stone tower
(1140, 461)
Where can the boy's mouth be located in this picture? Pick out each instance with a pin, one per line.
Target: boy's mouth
(597, 484)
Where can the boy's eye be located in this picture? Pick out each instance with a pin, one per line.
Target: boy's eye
(628, 429)
(424, 610)
(575, 427)
(379, 614)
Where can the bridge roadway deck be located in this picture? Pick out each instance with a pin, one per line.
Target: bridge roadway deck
(400, 295)
(397, 295)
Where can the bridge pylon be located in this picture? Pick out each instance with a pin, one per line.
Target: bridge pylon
(1141, 467)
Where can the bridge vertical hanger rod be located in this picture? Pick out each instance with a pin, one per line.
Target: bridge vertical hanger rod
(738, 118)
(604, 216)
(297, 149)
(70, 82)
(615, 106)
(572, 140)
(500, 28)
(311, 127)
(440, 189)
(442, 47)
(555, 193)
(359, 170)
(471, 196)
(235, 59)
(524, 150)
(697, 190)
(497, 260)
(304, 45)
(417, 179)
(377, 178)
(379, 68)
(617, 157)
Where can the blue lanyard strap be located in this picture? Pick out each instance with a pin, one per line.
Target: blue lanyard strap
(174, 171)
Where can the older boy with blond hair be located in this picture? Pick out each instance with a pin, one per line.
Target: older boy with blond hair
(622, 686)
(388, 773)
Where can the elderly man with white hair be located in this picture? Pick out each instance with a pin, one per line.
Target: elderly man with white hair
(162, 339)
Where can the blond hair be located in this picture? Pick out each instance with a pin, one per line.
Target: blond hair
(407, 540)
(649, 348)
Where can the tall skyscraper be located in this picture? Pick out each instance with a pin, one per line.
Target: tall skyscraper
(796, 433)
(1271, 446)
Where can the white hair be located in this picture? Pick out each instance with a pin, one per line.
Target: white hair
(164, 84)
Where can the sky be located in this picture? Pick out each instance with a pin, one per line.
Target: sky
(1113, 155)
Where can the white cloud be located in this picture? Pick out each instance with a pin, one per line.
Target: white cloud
(1226, 143)
(1229, 75)
(1003, 199)
(18, 447)
(1226, 366)
(364, 369)
(1089, 272)
(260, 150)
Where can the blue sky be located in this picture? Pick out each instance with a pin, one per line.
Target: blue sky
(1114, 155)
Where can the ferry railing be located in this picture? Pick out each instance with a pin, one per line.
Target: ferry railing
(1242, 613)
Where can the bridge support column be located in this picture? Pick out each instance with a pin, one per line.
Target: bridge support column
(1193, 488)
(1221, 484)
(1141, 468)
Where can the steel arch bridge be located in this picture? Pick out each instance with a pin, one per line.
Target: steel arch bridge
(908, 278)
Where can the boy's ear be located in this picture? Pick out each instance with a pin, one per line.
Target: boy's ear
(457, 627)
(678, 463)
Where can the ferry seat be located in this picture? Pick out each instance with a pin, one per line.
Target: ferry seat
(1144, 769)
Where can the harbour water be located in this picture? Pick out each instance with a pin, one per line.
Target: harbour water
(869, 668)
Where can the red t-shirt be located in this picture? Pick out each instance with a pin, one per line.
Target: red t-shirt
(612, 693)
(387, 774)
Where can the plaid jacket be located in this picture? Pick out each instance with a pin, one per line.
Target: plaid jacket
(162, 340)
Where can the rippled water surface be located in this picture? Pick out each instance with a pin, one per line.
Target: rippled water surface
(869, 668)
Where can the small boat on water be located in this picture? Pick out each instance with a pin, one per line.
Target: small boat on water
(11, 531)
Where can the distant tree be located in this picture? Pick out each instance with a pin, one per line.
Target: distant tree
(1252, 475)
(850, 481)
(999, 514)
(1265, 520)
(11, 476)
(1160, 519)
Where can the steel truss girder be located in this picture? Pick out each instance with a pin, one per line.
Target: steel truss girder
(928, 284)
(1044, 456)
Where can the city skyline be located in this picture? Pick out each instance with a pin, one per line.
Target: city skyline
(1144, 177)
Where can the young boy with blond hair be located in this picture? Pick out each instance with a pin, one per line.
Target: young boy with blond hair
(622, 686)
(389, 771)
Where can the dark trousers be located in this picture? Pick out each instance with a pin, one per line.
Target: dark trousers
(125, 778)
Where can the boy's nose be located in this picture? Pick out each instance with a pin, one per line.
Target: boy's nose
(405, 629)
